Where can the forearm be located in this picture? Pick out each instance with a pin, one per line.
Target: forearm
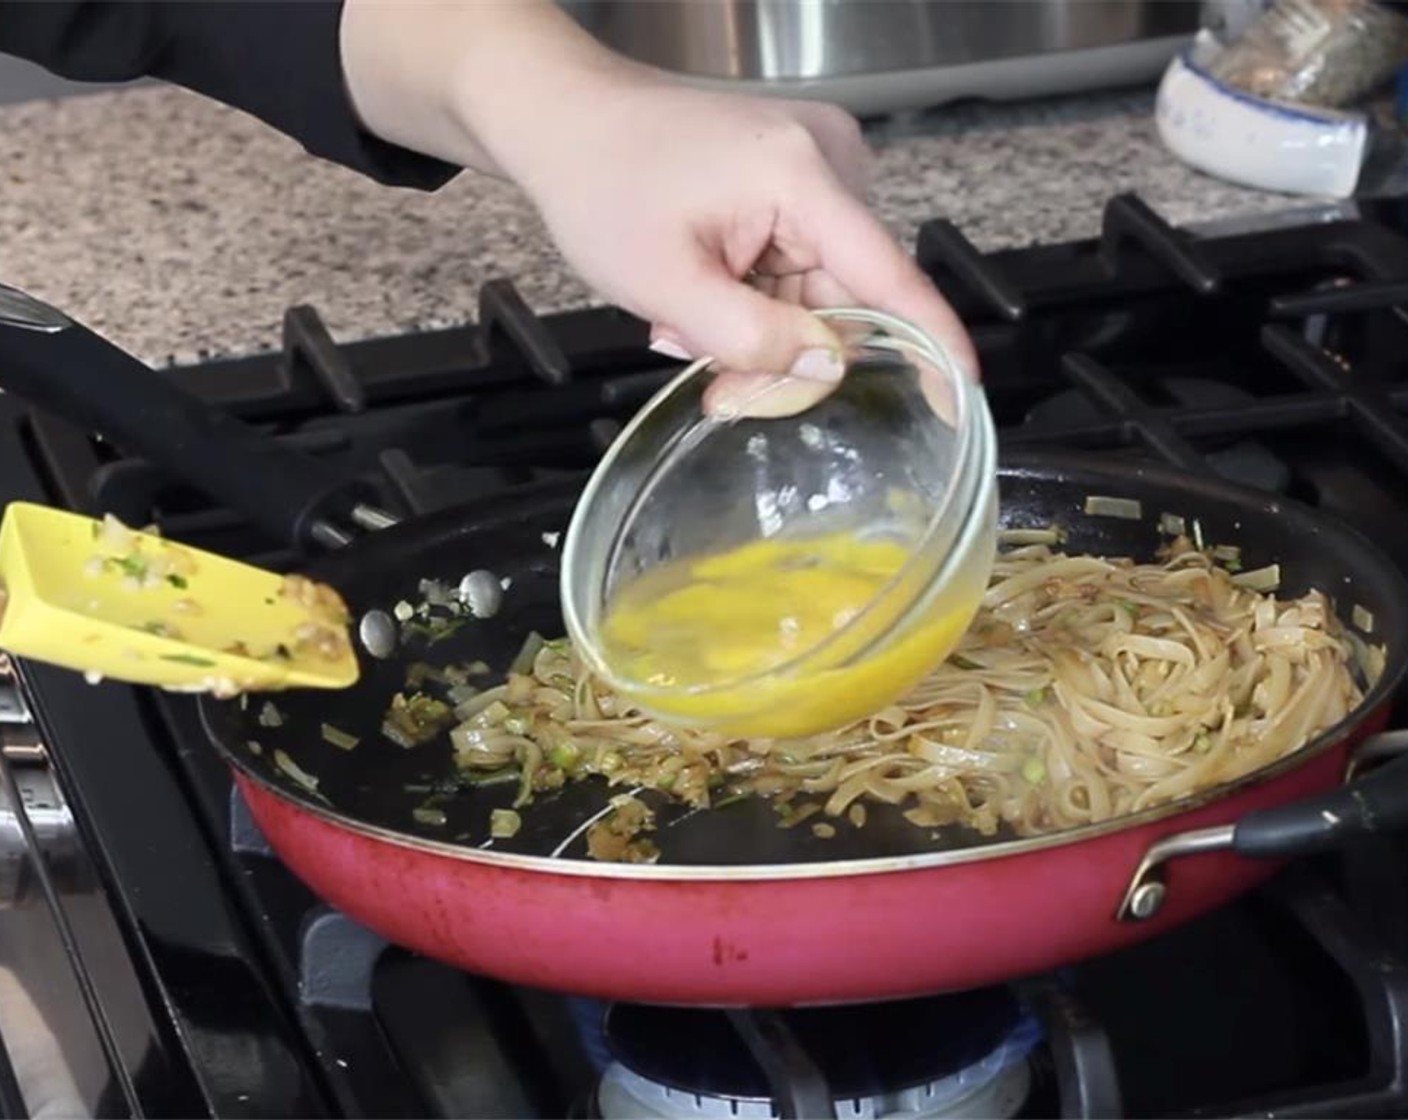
(474, 82)
(276, 59)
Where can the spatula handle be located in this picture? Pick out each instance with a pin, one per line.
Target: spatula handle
(65, 368)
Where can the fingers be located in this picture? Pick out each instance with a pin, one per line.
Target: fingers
(860, 253)
(821, 289)
(744, 330)
(761, 396)
(810, 289)
(776, 358)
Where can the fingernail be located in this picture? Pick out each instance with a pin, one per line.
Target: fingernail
(818, 364)
(671, 350)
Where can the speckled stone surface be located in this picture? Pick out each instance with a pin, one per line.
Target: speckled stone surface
(182, 229)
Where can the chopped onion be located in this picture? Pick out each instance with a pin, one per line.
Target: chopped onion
(1012, 538)
(1130, 509)
(425, 814)
(504, 823)
(475, 705)
(270, 716)
(461, 694)
(493, 777)
(523, 663)
(1260, 579)
(435, 592)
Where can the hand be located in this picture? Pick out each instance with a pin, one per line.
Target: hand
(718, 218)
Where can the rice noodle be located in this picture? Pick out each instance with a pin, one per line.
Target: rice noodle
(1086, 688)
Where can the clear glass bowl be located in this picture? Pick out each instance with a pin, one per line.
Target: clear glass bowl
(903, 451)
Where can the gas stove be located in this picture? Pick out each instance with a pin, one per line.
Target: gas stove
(158, 960)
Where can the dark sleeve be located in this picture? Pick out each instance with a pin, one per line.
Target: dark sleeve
(277, 59)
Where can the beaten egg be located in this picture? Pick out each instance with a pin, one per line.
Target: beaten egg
(731, 640)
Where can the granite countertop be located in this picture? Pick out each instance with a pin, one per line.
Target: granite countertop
(182, 229)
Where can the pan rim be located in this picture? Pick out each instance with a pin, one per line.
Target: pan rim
(1370, 558)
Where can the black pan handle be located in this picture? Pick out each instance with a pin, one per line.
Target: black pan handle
(1373, 802)
(65, 368)
(1368, 804)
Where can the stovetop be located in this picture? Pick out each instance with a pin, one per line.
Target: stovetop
(184, 972)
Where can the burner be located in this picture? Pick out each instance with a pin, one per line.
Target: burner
(954, 1055)
(1245, 461)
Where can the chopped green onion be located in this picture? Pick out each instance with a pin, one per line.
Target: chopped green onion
(565, 755)
(294, 771)
(134, 565)
(426, 815)
(416, 719)
(188, 659)
(1034, 770)
(178, 582)
(339, 738)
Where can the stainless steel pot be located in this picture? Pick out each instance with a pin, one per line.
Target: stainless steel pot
(882, 55)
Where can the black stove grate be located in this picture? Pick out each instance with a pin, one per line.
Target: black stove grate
(1271, 357)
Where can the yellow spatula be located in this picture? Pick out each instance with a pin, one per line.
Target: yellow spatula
(102, 599)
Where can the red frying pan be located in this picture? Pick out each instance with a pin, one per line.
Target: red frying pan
(736, 911)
